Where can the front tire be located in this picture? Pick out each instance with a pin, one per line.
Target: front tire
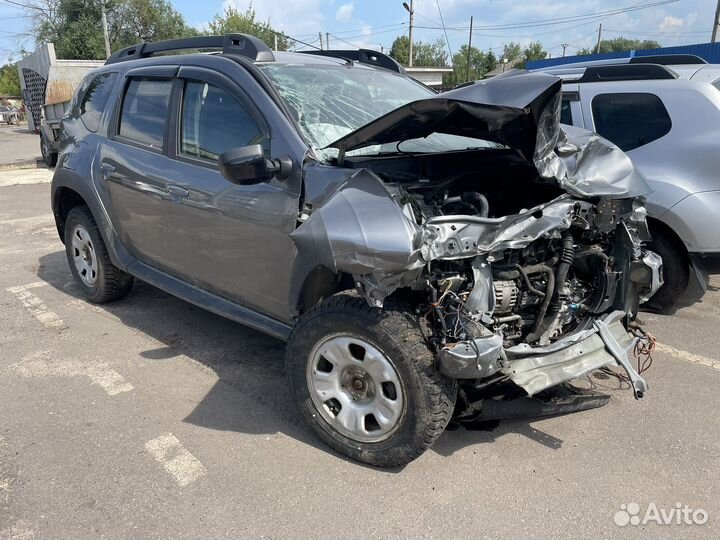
(89, 261)
(365, 382)
(676, 271)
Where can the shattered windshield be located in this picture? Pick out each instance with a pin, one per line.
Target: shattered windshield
(331, 101)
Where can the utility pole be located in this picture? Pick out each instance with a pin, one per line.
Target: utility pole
(410, 10)
(105, 30)
(275, 36)
(467, 68)
(327, 40)
(321, 41)
(716, 24)
(597, 49)
(564, 46)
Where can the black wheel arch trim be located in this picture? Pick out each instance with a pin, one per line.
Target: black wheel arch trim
(67, 179)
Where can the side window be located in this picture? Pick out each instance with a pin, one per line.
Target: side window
(144, 111)
(213, 121)
(630, 120)
(95, 98)
(565, 113)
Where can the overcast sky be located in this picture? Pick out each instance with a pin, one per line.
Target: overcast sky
(375, 23)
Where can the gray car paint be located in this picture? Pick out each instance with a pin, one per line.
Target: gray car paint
(261, 274)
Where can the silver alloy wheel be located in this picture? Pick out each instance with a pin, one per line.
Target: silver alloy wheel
(356, 388)
(84, 255)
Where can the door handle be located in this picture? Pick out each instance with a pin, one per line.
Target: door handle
(106, 169)
(178, 192)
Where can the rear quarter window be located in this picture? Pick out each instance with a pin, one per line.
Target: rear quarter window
(630, 120)
(94, 99)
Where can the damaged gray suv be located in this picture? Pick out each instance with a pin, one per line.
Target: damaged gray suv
(427, 257)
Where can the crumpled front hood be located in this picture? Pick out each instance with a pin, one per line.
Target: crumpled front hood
(506, 109)
(522, 111)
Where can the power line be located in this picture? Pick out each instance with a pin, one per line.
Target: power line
(444, 30)
(354, 30)
(659, 34)
(562, 20)
(364, 35)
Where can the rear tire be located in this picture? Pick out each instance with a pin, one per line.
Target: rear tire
(49, 157)
(385, 381)
(89, 261)
(676, 270)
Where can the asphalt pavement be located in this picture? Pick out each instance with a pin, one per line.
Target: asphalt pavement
(151, 418)
(20, 146)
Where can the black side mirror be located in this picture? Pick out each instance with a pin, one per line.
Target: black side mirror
(248, 165)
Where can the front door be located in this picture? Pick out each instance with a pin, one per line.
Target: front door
(228, 238)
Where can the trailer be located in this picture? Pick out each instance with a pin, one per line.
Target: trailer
(48, 84)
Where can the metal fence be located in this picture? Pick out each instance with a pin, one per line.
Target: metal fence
(710, 52)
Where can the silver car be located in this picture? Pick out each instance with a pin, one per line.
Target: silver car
(9, 115)
(665, 113)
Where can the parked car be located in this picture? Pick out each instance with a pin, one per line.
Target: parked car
(410, 247)
(9, 115)
(664, 111)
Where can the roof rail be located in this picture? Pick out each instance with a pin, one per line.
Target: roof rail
(242, 44)
(625, 72)
(668, 59)
(363, 56)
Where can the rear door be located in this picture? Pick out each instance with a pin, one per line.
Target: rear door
(632, 118)
(228, 238)
(132, 164)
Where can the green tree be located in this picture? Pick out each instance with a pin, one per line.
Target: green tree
(74, 26)
(463, 71)
(621, 44)
(399, 49)
(430, 54)
(534, 51)
(245, 22)
(511, 51)
(135, 21)
(490, 62)
(425, 54)
(9, 80)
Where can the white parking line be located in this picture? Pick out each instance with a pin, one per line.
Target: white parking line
(177, 460)
(40, 365)
(36, 306)
(688, 356)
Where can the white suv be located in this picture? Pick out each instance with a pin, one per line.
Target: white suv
(664, 111)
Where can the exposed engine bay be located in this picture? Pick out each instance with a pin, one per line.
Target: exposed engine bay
(527, 270)
(535, 294)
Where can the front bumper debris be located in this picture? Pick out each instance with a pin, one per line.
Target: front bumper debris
(537, 368)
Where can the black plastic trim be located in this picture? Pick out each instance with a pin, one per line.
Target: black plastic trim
(668, 59)
(241, 44)
(363, 56)
(625, 72)
(210, 301)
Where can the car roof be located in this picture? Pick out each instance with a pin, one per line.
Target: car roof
(575, 72)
